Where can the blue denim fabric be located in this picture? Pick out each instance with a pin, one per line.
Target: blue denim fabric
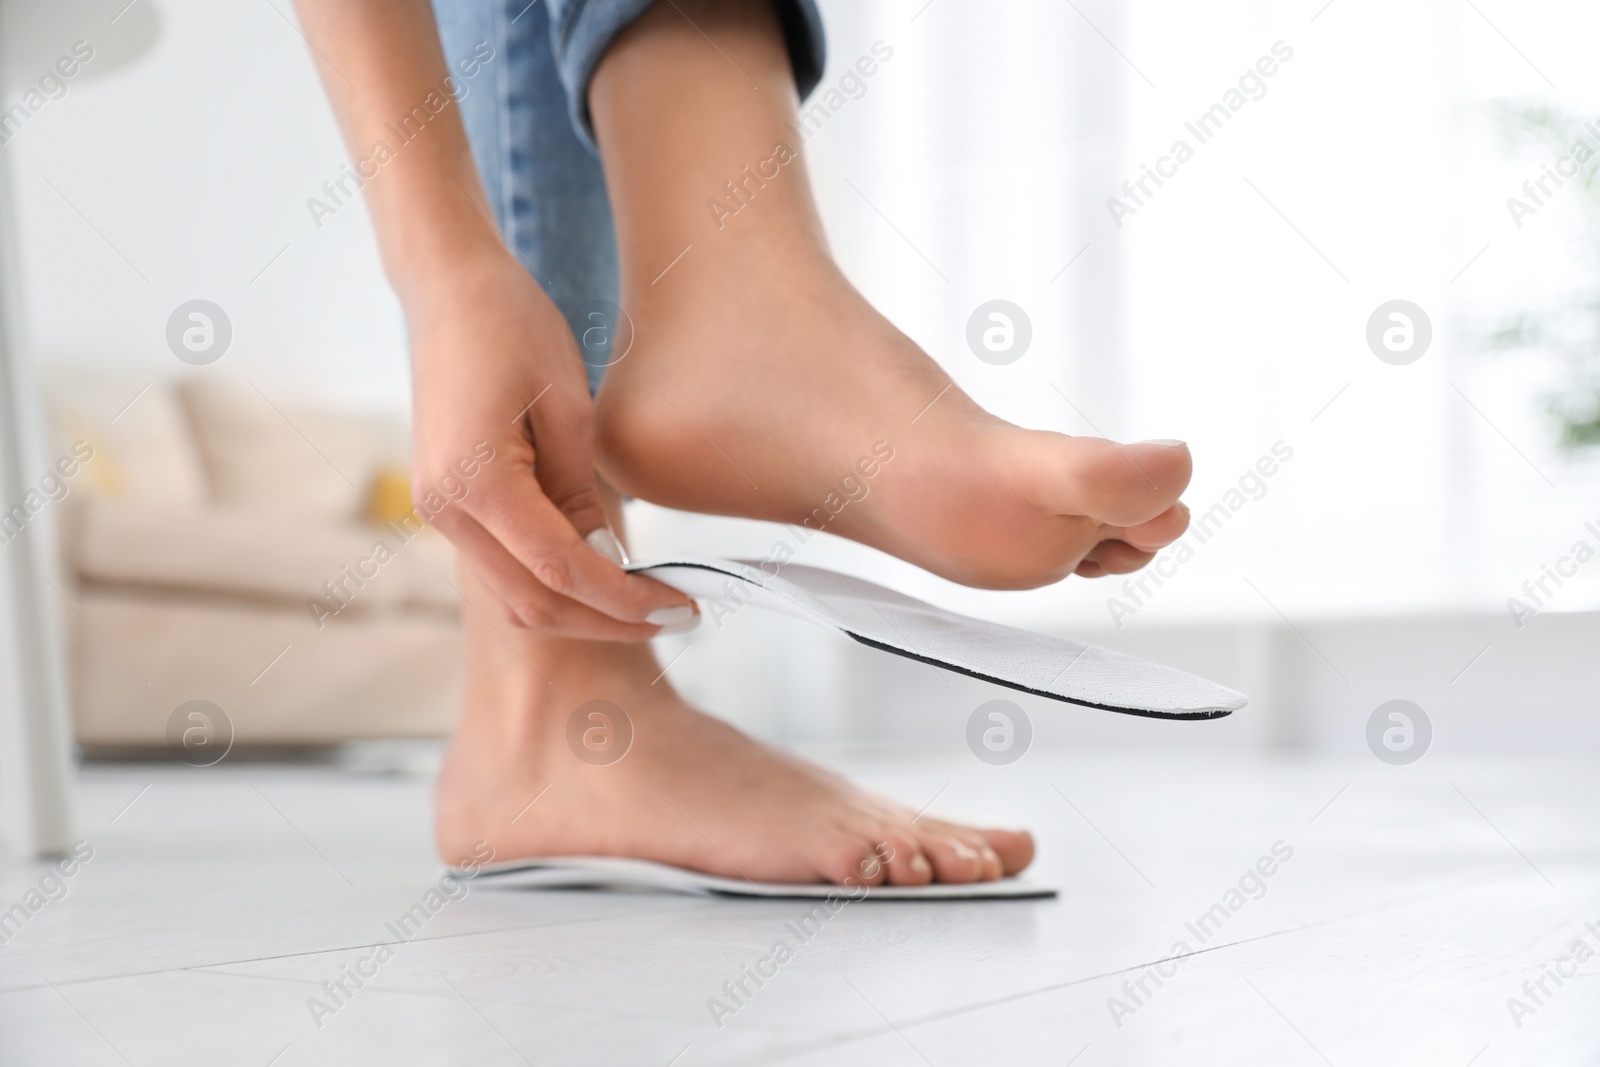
(526, 116)
(545, 185)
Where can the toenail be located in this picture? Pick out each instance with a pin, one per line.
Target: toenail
(920, 865)
(674, 620)
(603, 541)
(1167, 441)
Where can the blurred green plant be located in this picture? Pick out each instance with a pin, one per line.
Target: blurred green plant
(1568, 327)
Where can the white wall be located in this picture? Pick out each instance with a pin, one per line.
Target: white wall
(182, 175)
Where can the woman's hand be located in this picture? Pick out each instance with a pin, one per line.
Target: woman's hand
(494, 362)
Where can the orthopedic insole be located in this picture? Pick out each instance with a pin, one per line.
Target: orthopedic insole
(1054, 667)
(616, 872)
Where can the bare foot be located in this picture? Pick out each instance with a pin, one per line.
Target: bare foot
(790, 427)
(759, 380)
(690, 791)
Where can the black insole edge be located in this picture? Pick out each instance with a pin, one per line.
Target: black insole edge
(1143, 713)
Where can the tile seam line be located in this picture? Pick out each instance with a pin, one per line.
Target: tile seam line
(834, 1041)
(202, 967)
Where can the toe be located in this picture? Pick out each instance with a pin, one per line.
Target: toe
(953, 859)
(905, 862)
(1158, 533)
(999, 852)
(990, 866)
(910, 870)
(1014, 847)
(853, 861)
(1115, 557)
(1123, 485)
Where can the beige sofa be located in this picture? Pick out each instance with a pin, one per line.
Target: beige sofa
(198, 541)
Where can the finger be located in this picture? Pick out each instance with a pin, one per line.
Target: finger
(562, 432)
(517, 514)
(528, 603)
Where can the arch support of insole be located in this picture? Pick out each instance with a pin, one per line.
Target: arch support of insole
(1073, 672)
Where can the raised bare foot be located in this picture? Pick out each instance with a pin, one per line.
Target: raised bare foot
(690, 790)
(759, 381)
(834, 419)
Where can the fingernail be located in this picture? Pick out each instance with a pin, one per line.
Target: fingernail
(919, 864)
(1167, 441)
(603, 541)
(675, 620)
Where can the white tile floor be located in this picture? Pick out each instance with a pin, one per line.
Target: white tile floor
(1416, 902)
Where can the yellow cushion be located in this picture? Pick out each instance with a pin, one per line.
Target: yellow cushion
(389, 496)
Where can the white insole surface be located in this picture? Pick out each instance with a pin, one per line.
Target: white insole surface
(1070, 671)
(616, 872)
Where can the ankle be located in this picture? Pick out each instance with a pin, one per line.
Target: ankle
(679, 136)
(517, 680)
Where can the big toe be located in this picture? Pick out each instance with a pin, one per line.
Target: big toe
(1014, 847)
(1118, 484)
(967, 854)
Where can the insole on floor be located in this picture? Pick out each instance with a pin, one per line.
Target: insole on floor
(1054, 667)
(615, 872)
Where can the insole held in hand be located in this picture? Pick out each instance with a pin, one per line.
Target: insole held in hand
(1070, 671)
(617, 872)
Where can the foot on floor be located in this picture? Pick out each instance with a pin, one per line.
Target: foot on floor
(687, 789)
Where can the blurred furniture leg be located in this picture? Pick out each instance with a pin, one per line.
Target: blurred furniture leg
(35, 740)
